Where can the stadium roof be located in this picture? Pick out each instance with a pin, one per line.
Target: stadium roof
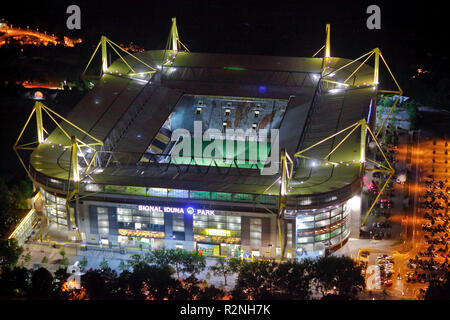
(126, 113)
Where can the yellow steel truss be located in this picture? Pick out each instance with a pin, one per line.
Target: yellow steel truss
(327, 46)
(376, 53)
(286, 172)
(104, 43)
(352, 128)
(174, 41)
(76, 145)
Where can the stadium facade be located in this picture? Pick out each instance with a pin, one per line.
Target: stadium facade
(133, 191)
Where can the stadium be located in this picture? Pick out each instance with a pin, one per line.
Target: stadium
(146, 160)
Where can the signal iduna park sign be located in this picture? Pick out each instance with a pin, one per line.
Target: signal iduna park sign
(180, 210)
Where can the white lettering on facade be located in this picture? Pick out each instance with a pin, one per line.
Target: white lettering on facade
(174, 210)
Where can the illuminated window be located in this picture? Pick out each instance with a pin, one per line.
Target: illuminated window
(103, 221)
(178, 193)
(157, 192)
(255, 232)
(199, 194)
(242, 197)
(178, 222)
(221, 196)
(289, 234)
(321, 237)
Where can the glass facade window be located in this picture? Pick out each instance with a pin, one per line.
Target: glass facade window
(335, 211)
(177, 222)
(305, 218)
(199, 194)
(305, 225)
(221, 196)
(255, 232)
(328, 226)
(266, 199)
(103, 221)
(289, 234)
(321, 216)
(321, 223)
(217, 228)
(177, 193)
(242, 197)
(157, 192)
(54, 208)
(305, 239)
(92, 187)
(130, 218)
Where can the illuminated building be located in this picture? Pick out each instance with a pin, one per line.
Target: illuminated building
(33, 37)
(134, 191)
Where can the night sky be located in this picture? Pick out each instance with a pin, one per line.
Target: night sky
(411, 36)
(293, 28)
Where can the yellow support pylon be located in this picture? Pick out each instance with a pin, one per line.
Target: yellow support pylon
(104, 43)
(75, 144)
(174, 34)
(174, 42)
(364, 130)
(39, 123)
(376, 69)
(103, 40)
(327, 42)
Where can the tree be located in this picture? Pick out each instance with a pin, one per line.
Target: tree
(411, 109)
(177, 258)
(136, 260)
(181, 260)
(234, 264)
(44, 260)
(192, 262)
(161, 257)
(255, 280)
(342, 275)
(42, 284)
(103, 264)
(293, 280)
(99, 284)
(27, 257)
(222, 268)
(156, 281)
(15, 282)
(289, 280)
(122, 266)
(62, 252)
(64, 262)
(83, 262)
(211, 293)
(20, 192)
(9, 253)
